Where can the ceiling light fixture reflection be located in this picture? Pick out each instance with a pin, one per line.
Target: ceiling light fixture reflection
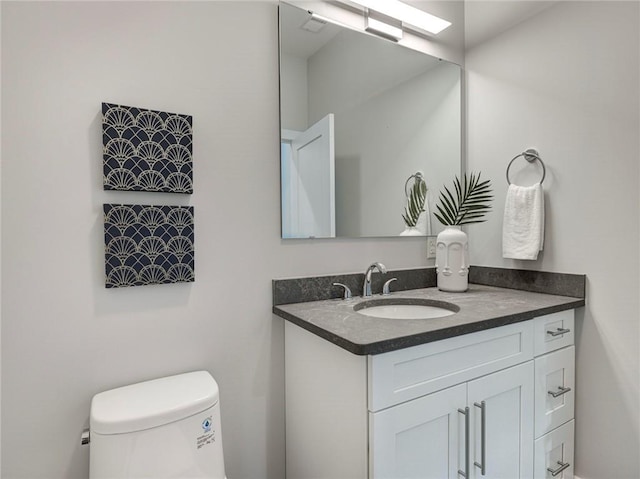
(406, 14)
(380, 27)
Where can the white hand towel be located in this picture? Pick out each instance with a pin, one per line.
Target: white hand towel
(523, 224)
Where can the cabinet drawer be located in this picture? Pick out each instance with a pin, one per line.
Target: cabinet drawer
(405, 374)
(553, 331)
(554, 389)
(554, 452)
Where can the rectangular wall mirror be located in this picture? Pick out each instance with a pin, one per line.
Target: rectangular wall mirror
(360, 116)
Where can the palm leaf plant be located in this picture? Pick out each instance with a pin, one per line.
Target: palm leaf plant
(415, 202)
(470, 203)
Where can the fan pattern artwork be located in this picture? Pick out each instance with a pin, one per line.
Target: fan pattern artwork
(148, 245)
(146, 150)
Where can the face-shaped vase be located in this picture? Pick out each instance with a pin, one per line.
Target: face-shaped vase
(452, 259)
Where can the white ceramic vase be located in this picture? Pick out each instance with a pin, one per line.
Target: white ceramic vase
(452, 260)
(411, 231)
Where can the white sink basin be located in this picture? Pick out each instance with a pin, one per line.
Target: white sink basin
(406, 308)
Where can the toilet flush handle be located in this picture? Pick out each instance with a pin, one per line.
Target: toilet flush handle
(85, 438)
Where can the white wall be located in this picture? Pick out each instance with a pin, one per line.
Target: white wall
(293, 81)
(567, 83)
(64, 336)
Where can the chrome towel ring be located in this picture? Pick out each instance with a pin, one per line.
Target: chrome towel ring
(418, 177)
(530, 155)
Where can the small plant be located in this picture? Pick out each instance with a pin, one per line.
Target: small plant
(415, 202)
(469, 205)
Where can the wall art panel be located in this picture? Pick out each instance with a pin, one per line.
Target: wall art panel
(148, 245)
(146, 150)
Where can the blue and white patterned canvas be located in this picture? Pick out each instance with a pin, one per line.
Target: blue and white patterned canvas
(148, 245)
(146, 150)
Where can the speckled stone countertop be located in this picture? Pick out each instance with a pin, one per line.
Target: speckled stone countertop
(481, 307)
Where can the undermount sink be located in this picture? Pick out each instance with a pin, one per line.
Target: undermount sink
(406, 308)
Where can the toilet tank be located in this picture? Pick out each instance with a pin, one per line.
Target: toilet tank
(164, 428)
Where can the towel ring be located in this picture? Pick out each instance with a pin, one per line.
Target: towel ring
(530, 155)
(418, 177)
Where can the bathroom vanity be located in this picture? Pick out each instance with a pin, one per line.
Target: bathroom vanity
(486, 392)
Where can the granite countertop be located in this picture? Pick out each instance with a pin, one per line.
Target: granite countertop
(481, 307)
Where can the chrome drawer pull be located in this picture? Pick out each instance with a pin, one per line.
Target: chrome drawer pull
(465, 412)
(483, 437)
(563, 466)
(559, 392)
(559, 332)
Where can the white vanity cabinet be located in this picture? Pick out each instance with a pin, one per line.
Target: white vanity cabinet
(475, 406)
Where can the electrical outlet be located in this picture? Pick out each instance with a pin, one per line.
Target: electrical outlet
(431, 247)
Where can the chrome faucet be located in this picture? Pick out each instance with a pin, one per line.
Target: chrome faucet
(366, 288)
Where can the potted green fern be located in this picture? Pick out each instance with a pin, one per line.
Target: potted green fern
(470, 203)
(416, 198)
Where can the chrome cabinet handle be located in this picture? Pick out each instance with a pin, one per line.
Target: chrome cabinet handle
(465, 412)
(483, 437)
(347, 291)
(559, 332)
(559, 392)
(385, 287)
(563, 466)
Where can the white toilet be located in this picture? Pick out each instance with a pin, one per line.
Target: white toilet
(160, 429)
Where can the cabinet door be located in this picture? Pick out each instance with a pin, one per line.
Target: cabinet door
(423, 438)
(502, 440)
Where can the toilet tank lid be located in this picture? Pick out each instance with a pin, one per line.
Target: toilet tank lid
(152, 403)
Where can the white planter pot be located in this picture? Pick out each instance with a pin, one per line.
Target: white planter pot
(452, 260)
(424, 223)
(411, 231)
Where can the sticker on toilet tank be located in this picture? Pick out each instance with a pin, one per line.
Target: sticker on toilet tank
(206, 425)
(208, 434)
